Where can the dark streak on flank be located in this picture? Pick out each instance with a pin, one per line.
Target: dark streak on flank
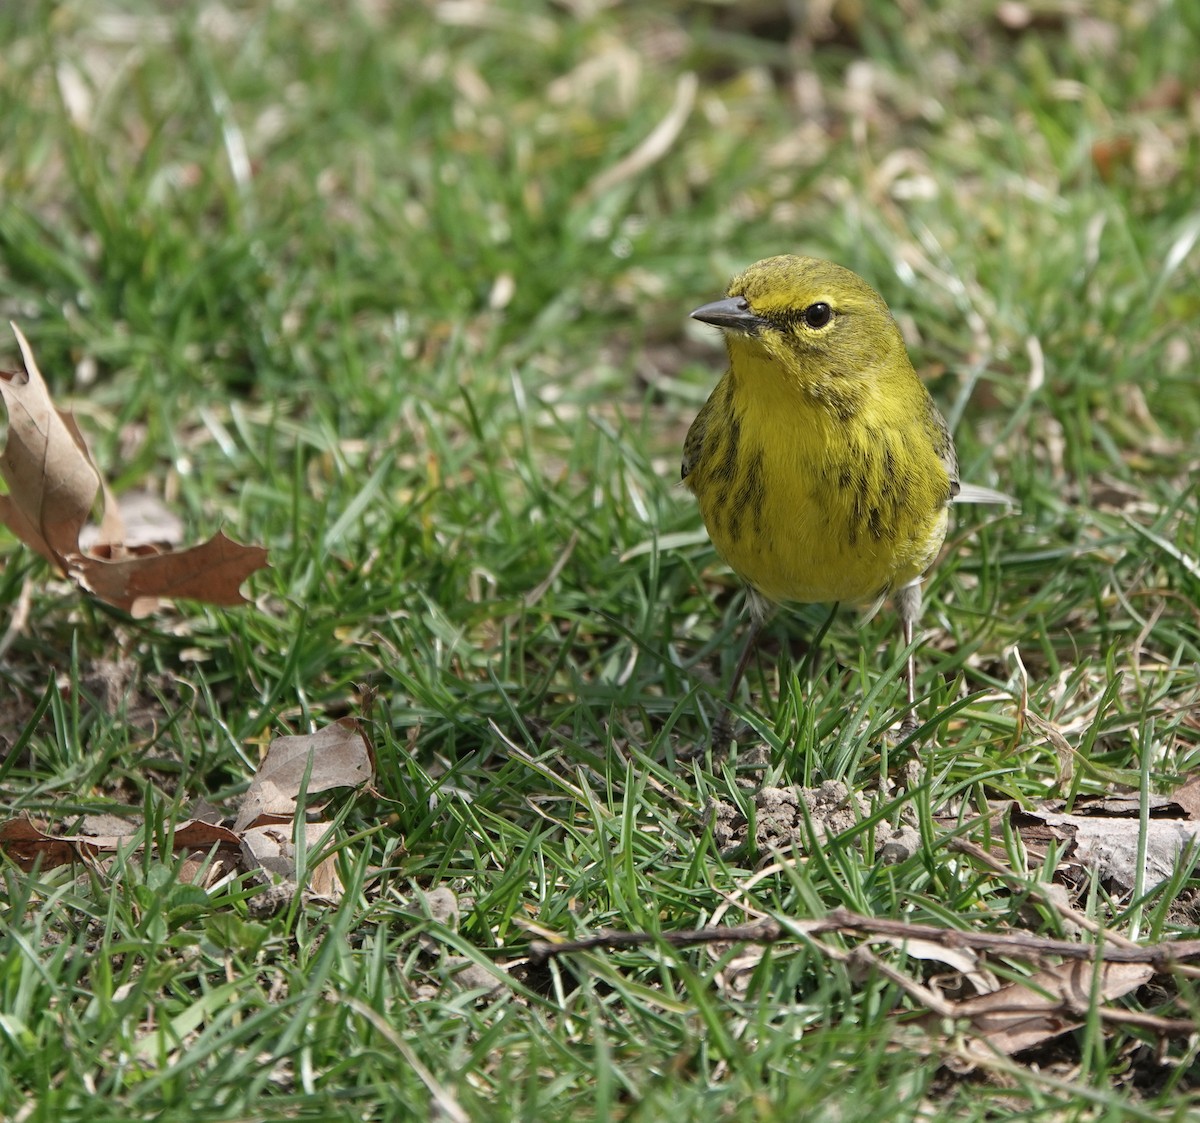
(856, 519)
(875, 523)
(689, 457)
(726, 471)
(752, 493)
(719, 510)
(891, 487)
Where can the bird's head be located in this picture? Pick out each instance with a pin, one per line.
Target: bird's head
(813, 320)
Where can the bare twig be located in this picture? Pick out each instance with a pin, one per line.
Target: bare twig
(1165, 1027)
(760, 932)
(1162, 956)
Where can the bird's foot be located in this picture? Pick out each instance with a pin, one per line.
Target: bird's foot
(722, 732)
(909, 724)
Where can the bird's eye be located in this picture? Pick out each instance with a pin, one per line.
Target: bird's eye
(817, 315)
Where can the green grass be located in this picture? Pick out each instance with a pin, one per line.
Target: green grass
(336, 278)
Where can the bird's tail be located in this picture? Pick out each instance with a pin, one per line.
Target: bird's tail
(973, 493)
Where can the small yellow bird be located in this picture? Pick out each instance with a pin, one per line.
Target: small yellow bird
(823, 470)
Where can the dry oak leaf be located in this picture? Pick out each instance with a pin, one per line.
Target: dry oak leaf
(52, 487)
(1028, 1013)
(26, 843)
(136, 578)
(52, 483)
(334, 757)
(272, 848)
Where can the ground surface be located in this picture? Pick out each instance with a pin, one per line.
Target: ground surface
(400, 292)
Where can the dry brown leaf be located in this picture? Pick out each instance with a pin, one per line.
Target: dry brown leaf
(1025, 1014)
(965, 961)
(137, 579)
(103, 823)
(272, 848)
(1187, 797)
(1169, 93)
(26, 843)
(205, 869)
(1109, 844)
(334, 757)
(52, 487)
(196, 833)
(112, 523)
(51, 481)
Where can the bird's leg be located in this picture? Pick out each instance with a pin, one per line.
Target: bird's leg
(760, 611)
(722, 732)
(908, 606)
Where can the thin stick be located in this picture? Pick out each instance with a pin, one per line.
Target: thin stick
(1162, 956)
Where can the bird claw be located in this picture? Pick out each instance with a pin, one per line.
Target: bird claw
(909, 724)
(722, 733)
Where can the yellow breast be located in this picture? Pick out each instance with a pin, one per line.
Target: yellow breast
(809, 504)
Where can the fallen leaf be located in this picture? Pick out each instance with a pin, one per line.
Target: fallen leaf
(105, 824)
(272, 849)
(963, 960)
(26, 843)
(334, 757)
(1109, 844)
(195, 833)
(204, 868)
(1121, 805)
(1169, 93)
(1187, 797)
(52, 484)
(1022, 1015)
(112, 523)
(137, 579)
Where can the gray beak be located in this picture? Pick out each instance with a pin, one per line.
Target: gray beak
(733, 314)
